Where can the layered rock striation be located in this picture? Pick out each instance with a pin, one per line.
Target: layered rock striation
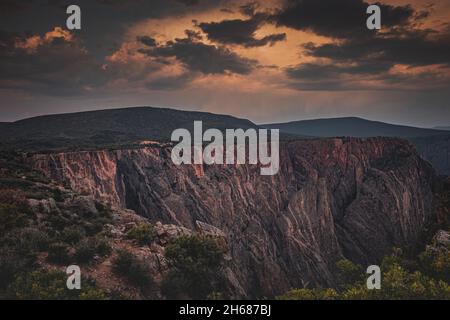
(333, 198)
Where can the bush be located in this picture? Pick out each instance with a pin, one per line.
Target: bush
(143, 233)
(127, 265)
(12, 263)
(103, 247)
(93, 227)
(310, 294)
(41, 285)
(196, 268)
(92, 294)
(15, 198)
(58, 222)
(50, 285)
(11, 218)
(58, 253)
(72, 235)
(397, 283)
(104, 212)
(85, 251)
(215, 296)
(88, 248)
(436, 264)
(27, 241)
(348, 273)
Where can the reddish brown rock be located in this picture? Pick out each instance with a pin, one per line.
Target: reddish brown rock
(332, 198)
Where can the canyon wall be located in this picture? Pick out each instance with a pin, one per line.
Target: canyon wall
(333, 198)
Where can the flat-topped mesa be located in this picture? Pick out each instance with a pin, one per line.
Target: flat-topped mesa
(332, 198)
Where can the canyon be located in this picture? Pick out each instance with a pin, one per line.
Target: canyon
(332, 198)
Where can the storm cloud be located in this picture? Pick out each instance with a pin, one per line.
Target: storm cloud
(200, 57)
(413, 48)
(54, 64)
(356, 55)
(240, 32)
(337, 19)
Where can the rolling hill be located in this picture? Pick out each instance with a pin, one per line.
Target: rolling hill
(108, 127)
(352, 127)
(442, 128)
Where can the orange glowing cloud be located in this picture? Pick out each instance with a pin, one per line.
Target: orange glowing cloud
(31, 44)
(273, 59)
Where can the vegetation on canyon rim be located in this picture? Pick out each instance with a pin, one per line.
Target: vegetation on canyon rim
(402, 278)
(36, 245)
(406, 273)
(196, 269)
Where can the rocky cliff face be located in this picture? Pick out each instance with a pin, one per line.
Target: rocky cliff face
(332, 198)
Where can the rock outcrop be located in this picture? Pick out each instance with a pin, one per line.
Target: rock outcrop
(333, 198)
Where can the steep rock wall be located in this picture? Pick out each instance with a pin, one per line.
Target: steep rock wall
(332, 198)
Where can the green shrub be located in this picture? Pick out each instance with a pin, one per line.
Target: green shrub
(143, 233)
(27, 241)
(12, 263)
(41, 285)
(11, 218)
(58, 253)
(310, 294)
(72, 235)
(128, 266)
(348, 273)
(93, 227)
(397, 283)
(50, 285)
(15, 198)
(88, 248)
(104, 212)
(92, 294)
(85, 251)
(58, 222)
(103, 247)
(196, 268)
(436, 264)
(216, 296)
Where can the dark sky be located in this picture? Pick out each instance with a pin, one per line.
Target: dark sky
(269, 61)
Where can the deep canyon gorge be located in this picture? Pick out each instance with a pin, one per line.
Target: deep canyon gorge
(332, 199)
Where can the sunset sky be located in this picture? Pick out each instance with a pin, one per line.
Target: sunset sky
(268, 61)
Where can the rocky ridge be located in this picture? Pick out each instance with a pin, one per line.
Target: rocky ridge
(333, 198)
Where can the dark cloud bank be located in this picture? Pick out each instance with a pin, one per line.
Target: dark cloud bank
(356, 50)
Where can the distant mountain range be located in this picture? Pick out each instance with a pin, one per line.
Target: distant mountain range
(108, 127)
(118, 127)
(442, 128)
(433, 145)
(352, 127)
